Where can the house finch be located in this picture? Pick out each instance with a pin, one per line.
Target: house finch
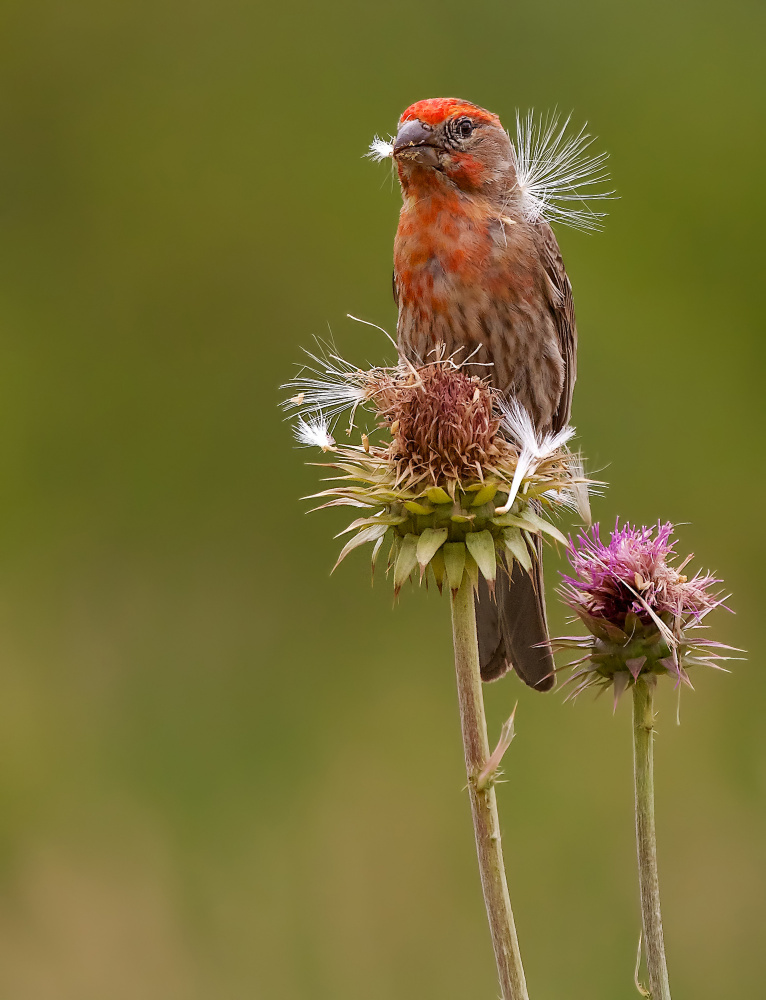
(479, 275)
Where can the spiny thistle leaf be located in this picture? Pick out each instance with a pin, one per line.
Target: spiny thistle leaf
(454, 563)
(406, 560)
(481, 545)
(428, 544)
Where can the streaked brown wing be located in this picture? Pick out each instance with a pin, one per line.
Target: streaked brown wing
(513, 629)
(562, 307)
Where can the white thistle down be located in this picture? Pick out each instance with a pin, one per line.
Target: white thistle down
(576, 498)
(535, 448)
(581, 490)
(314, 433)
(380, 149)
(329, 386)
(555, 171)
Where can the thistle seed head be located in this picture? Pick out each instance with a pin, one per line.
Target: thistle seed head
(443, 422)
(433, 487)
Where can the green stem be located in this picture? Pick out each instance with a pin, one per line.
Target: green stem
(483, 802)
(646, 840)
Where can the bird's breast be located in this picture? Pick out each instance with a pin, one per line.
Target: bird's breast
(453, 259)
(437, 250)
(471, 283)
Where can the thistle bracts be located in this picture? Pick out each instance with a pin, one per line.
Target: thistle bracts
(462, 485)
(641, 611)
(449, 529)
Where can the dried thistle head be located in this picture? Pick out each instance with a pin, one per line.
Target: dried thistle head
(443, 421)
(639, 607)
(460, 483)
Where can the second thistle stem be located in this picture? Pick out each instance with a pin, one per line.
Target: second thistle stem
(486, 824)
(646, 841)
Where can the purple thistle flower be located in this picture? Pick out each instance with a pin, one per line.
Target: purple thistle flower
(633, 573)
(638, 607)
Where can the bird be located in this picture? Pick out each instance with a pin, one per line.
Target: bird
(480, 276)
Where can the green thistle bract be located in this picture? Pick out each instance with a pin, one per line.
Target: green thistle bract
(464, 484)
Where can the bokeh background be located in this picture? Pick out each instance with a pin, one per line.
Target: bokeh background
(222, 773)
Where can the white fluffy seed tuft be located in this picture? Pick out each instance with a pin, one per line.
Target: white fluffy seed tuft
(314, 433)
(380, 149)
(558, 174)
(325, 387)
(534, 447)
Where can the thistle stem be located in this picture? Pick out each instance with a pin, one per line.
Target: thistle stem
(646, 841)
(483, 802)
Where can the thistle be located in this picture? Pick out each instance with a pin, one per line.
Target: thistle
(461, 486)
(463, 483)
(642, 613)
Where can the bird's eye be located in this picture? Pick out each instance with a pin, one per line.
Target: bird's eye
(464, 127)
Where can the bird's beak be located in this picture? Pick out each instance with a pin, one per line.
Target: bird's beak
(415, 142)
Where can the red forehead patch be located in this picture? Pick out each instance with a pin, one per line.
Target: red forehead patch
(438, 109)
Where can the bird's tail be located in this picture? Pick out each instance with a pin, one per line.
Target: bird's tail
(513, 629)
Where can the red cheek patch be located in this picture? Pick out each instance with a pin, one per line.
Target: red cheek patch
(466, 169)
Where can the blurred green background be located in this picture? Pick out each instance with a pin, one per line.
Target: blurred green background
(222, 774)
